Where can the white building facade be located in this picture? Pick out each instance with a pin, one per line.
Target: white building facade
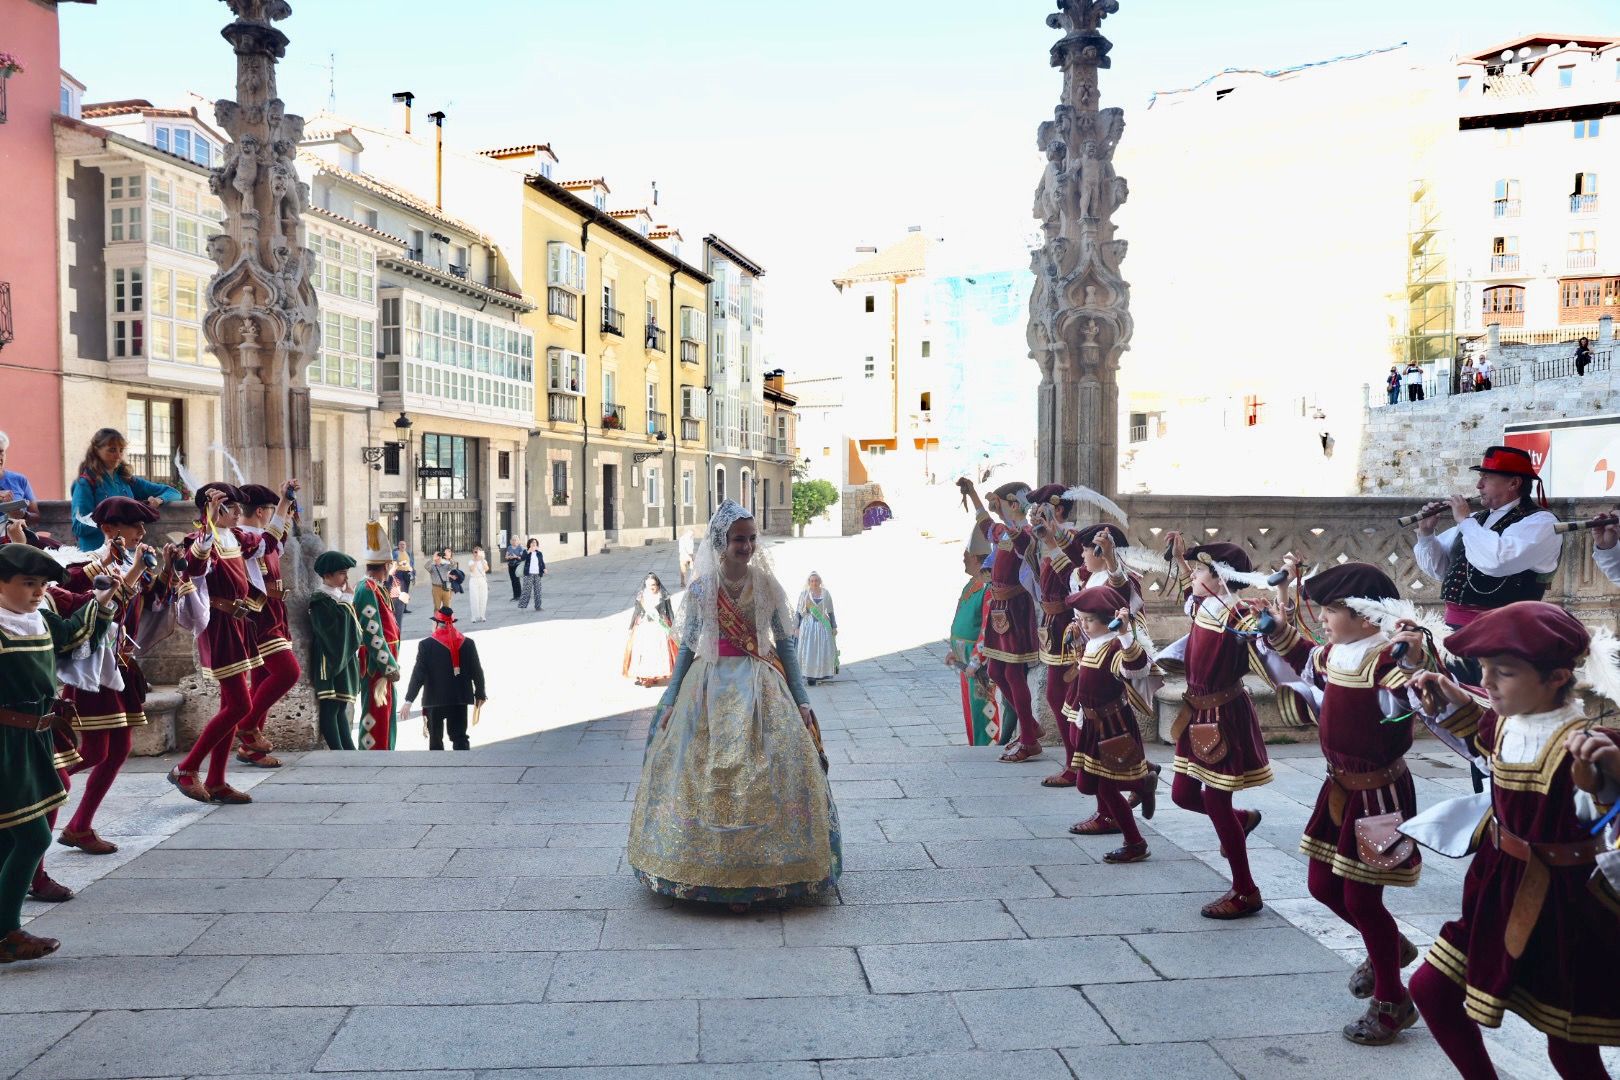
(452, 359)
(133, 225)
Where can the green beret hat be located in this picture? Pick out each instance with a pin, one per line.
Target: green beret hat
(16, 559)
(330, 562)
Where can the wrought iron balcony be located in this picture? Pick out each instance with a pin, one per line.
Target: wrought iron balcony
(689, 429)
(317, 487)
(562, 408)
(562, 303)
(613, 418)
(559, 498)
(1583, 204)
(658, 425)
(689, 351)
(613, 321)
(657, 339)
(7, 331)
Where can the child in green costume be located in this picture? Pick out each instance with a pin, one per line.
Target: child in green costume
(334, 652)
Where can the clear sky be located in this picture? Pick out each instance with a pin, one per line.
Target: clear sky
(796, 131)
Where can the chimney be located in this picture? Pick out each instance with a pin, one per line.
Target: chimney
(405, 97)
(438, 159)
(866, 249)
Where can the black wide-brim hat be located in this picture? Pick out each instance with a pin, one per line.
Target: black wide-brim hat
(257, 495)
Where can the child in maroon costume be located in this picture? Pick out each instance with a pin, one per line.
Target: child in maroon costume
(265, 516)
(1108, 756)
(1532, 937)
(1059, 551)
(108, 716)
(1358, 687)
(226, 648)
(1010, 642)
(1219, 750)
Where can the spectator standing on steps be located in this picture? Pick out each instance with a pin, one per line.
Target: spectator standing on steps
(1414, 382)
(449, 677)
(1485, 373)
(1393, 384)
(1583, 356)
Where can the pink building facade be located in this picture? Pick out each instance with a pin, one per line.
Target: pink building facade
(30, 362)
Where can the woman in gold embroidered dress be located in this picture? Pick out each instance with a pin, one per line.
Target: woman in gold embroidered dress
(734, 805)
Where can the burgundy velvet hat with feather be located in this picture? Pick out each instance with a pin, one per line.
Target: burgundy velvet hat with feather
(257, 495)
(121, 510)
(1222, 552)
(1101, 600)
(1089, 534)
(232, 493)
(1538, 633)
(1352, 579)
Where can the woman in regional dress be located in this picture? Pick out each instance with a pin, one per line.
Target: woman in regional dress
(649, 655)
(734, 805)
(818, 631)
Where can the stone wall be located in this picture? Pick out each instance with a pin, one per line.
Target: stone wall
(1423, 448)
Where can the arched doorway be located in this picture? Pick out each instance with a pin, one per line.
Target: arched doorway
(719, 485)
(875, 514)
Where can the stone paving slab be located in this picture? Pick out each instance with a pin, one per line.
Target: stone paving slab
(637, 975)
(972, 1065)
(851, 1026)
(187, 1042)
(470, 978)
(1026, 1019)
(990, 965)
(515, 1036)
(88, 934)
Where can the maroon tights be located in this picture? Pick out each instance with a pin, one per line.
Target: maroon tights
(1216, 804)
(1441, 1002)
(1013, 682)
(215, 741)
(270, 684)
(1111, 801)
(104, 753)
(1362, 906)
(1057, 688)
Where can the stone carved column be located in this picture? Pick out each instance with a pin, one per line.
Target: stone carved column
(1079, 319)
(263, 321)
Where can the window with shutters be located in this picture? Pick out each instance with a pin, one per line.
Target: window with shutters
(565, 371)
(565, 267)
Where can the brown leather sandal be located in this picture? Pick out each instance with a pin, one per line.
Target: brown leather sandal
(1234, 905)
(228, 795)
(1382, 1022)
(1361, 980)
(254, 741)
(188, 784)
(1095, 825)
(1021, 753)
(87, 842)
(258, 760)
(1061, 779)
(21, 945)
(47, 890)
(1127, 853)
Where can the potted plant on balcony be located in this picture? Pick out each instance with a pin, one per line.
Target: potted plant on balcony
(9, 65)
(611, 422)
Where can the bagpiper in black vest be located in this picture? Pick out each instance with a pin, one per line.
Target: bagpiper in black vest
(1470, 587)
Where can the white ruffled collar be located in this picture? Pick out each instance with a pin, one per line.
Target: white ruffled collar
(1348, 658)
(22, 624)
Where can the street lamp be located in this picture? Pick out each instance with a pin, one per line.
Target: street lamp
(402, 429)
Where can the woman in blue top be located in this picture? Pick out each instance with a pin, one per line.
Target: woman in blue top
(102, 475)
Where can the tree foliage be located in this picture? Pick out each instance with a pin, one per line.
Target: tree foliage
(811, 498)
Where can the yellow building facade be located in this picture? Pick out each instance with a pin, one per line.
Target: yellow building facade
(619, 455)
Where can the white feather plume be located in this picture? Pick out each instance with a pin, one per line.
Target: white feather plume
(186, 478)
(1600, 671)
(1254, 579)
(1388, 614)
(1142, 560)
(67, 557)
(1082, 494)
(88, 522)
(236, 470)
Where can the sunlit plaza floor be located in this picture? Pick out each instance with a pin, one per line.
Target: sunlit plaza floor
(461, 914)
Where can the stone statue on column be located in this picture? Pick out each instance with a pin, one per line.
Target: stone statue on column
(263, 320)
(1079, 319)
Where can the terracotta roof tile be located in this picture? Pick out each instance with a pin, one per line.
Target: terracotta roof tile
(399, 195)
(909, 256)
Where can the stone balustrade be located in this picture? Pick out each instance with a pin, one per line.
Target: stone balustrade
(1358, 529)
